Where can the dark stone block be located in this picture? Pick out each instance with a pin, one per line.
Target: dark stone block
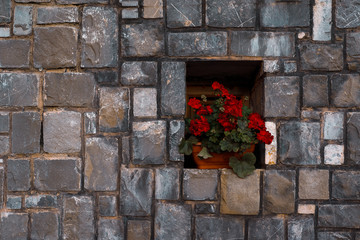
(80, 1)
(139, 73)
(219, 228)
(353, 45)
(18, 175)
(22, 20)
(4, 145)
(4, 121)
(315, 91)
(107, 206)
(205, 208)
(339, 216)
(167, 184)
(173, 86)
(99, 37)
(347, 12)
(41, 201)
(346, 185)
(139, 230)
(125, 153)
(262, 228)
(177, 129)
(282, 96)
(345, 90)
(301, 228)
(49, 15)
(106, 77)
(13, 226)
(5, 11)
(334, 235)
(200, 184)
(111, 229)
(15, 53)
(184, 13)
(13, 202)
(44, 225)
(353, 137)
(197, 44)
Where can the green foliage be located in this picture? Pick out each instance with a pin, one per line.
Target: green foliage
(245, 166)
(185, 146)
(204, 153)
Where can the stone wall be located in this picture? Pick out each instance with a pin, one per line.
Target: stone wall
(92, 99)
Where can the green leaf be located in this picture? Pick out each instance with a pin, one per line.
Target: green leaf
(185, 146)
(249, 158)
(204, 153)
(241, 168)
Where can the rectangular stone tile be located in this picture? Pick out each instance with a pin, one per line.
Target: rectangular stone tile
(315, 91)
(167, 183)
(80, 1)
(13, 226)
(22, 20)
(334, 154)
(2, 185)
(334, 235)
(306, 209)
(271, 149)
(353, 138)
(41, 201)
(129, 3)
(262, 228)
(339, 216)
(13, 202)
(44, 225)
(125, 150)
(220, 228)
(139, 230)
(107, 206)
(206, 208)
(153, 9)
(177, 130)
(4, 32)
(49, 15)
(345, 90)
(139, 73)
(4, 121)
(4, 145)
(322, 20)
(200, 184)
(353, 46)
(313, 184)
(18, 174)
(183, 13)
(15, 53)
(111, 229)
(333, 125)
(130, 13)
(301, 228)
(346, 14)
(106, 77)
(90, 122)
(145, 102)
(346, 185)
(5, 11)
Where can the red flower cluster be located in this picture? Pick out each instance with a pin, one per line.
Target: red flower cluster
(233, 106)
(195, 103)
(218, 86)
(227, 122)
(197, 126)
(257, 123)
(265, 136)
(204, 110)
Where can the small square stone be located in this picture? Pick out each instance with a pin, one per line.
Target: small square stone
(334, 154)
(4, 122)
(14, 226)
(290, 67)
(184, 13)
(13, 202)
(344, 90)
(333, 125)
(346, 185)
(315, 91)
(306, 208)
(44, 225)
(313, 184)
(145, 102)
(22, 20)
(200, 184)
(139, 73)
(263, 227)
(153, 8)
(139, 230)
(130, 13)
(15, 53)
(18, 174)
(167, 184)
(111, 229)
(301, 226)
(107, 206)
(271, 66)
(4, 32)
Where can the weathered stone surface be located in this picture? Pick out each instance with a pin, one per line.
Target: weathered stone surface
(228, 13)
(240, 196)
(106, 77)
(271, 66)
(41, 201)
(133, 35)
(129, 13)
(22, 20)
(306, 208)
(4, 145)
(114, 109)
(219, 228)
(18, 174)
(5, 11)
(107, 206)
(345, 90)
(111, 229)
(13, 226)
(322, 20)
(48, 15)
(334, 235)
(177, 129)
(274, 13)
(62, 131)
(345, 216)
(55, 47)
(13, 202)
(197, 44)
(262, 228)
(129, 3)
(334, 154)
(136, 191)
(15, 53)
(282, 96)
(44, 225)
(4, 121)
(101, 164)
(301, 228)
(333, 125)
(153, 9)
(275, 44)
(173, 86)
(145, 102)
(167, 183)
(172, 221)
(80, 1)
(139, 73)
(32, 1)
(347, 12)
(353, 46)
(99, 37)
(2, 186)
(125, 150)
(139, 230)
(313, 184)
(299, 143)
(279, 191)
(311, 114)
(57, 174)
(321, 57)
(271, 149)
(346, 185)
(69, 89)
(315, 91)
(200, 184)
(90, 122)
(78, 217)
(4, 32)
(149, 142)
(290, 67)
(353, 137)
(184, 13)
(206, 208)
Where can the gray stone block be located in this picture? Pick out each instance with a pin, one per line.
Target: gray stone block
(18, 174)
(290, 67)
(301, 228)
(346, 185)
(271, 66)
(4, 121)
(107, 206)
(139, 73)
(13, 202)
(90, 122)
(219, 228)
(339, 216)
(129, 3)
(334, 235)
(152, 9)
(200, 184)
(315, 91)
(49, 15)
(184, 13)
(149, 142)
(22, 20)
(346, 14)
(80, 1)
(57, 174)
(101, 164)
(333, 125)
(172, 221)
(173, 84)
(106, 77)
(130, 13)
(136, 191)
(353, 138)
(32, 1)
(262, 228)
(167, 183)
(197, 44)
(322, 20)
(99, 37)
(177, 130)
(4, 145)
(310, 114)
(125, 150)
(44, 225)
(15, 53)
(353, 46)
(41, 201)
(13, 226)
(206, 208)
(313, 184)
(251, 43)
(145, 102)
(111, 229)
(2, 186)
(4, 32)
(55, 47)
(282, 96)
(5, 11)
(345, 90)
(133, 36)
(139, 230)
(334, 154)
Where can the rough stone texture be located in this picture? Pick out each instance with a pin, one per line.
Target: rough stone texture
(5, 11)
(62, 131)
(56, 174)
(279, 191)
(125, 151)
(13, 226)
(275, 13)
(310, 114)
(353, 137)
(322, 20)
(206, 208)
(333, 125)
(271, 149)
(353, 46)
(315, 91)
(153, 9)
(271, 66)
(240, 196)
(219, 228)
(44, 225)
(200, 184)
(32, 1)
(129, 3)
(177, 130)
(138, 230)
(4, 32)
(22, 20)
(282, 96)
(101, 164)
(136, 191)
(80, 1)
(334, 154)
(4, 145)
(184, 13)
(41, 201)
(149, 142)
(49, 15)
(275, 44)
(18, 175)
(139, 73)
(301, 228)
(167, 184)
(107, 206)
(145, 102)
(334, 235)
(346, 13)
(129, 13)
(344, 90)
(299, 143)
(172, 221)
(114, 109)
(228, 13)
(13, 202)
(2, 186)
(99, 37)
(306, 209)
(346, 216)
(321, 57)
(90, 122)
(133, 35)
(313, 184)
(4, 121)
(15, 53)
(262, 228)
(290, 67)
(55, 47)
(173, 86)
(78, 217)
(346, 185)
(106, 77)
(111, 229)
(197, 44)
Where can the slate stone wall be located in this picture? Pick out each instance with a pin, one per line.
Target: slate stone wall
(92, 100)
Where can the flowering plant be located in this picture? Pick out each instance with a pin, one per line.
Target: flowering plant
(225, 126)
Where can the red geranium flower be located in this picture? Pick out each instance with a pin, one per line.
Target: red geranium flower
(256, 122)
(265, 136)
(204, 110)
(198, 126)
(233, 106)
(225, 121)
(194, 103)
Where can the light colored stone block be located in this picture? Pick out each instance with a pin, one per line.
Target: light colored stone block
(322, 20)
(333, 125)
(334, 154)
(153, 8)
(271, 66)
(271, 149)
(306, 208)
(145, 102)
